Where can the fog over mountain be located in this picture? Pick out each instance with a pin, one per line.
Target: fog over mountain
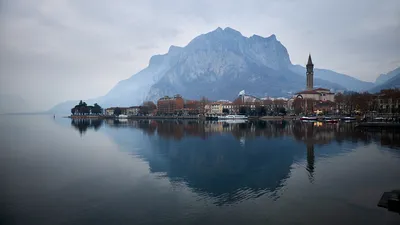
(12, 104)
(387, 81)
(385, 77)
(218, 65)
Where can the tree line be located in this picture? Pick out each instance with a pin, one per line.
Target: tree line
(350, 102)
(83, 109)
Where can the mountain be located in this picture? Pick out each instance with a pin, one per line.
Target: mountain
(65, 107)
(385, 77)
(223, 62)
(393, 82)
(218, 65)
(13, 104)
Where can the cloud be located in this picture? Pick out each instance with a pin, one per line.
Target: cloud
(54, 50)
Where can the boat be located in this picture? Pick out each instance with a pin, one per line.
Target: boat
(236, 121)
(122, 116)
(233, 117)
(308, 118)
(329, 120)
(348, 118)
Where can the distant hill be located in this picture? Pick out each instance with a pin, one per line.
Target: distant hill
(348, 82)
(13, 104)
(393, 82)
(218, 65)
(385, 77)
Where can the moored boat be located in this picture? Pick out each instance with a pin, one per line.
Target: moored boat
(308, 118)
(348, 118)
(329, 120)
(229, 121)
(233, 117)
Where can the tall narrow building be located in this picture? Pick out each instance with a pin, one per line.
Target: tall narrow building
(310, 73)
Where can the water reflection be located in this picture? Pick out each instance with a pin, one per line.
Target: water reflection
(83, 124)
(230, 163)
(310, 161)
(309, 133)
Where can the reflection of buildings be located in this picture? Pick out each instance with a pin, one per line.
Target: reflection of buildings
(309, 133)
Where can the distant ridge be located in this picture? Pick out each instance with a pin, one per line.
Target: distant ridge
(393, 82)
(385, 77)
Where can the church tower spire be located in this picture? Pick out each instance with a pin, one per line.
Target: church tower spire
(310, 73)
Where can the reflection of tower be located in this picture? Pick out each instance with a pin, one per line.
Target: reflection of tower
(309, 139)
(310, 161)
(310, 73)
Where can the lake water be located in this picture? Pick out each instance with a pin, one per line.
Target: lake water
(58, 171)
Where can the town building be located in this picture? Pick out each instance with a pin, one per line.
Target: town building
(387, 102)
(219, 107)
(170, 105)
(245, 100)
(110, 111)
(279, 103)
(207, 108)
(133, 111)
(318, 94)
(192, 107)
(216, 108)
(227, 107)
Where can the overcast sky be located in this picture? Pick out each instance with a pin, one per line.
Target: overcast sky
(57, 50)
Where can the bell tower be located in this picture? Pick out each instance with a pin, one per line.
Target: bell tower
(310, 73)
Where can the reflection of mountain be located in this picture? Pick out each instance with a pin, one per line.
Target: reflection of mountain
(233, 162)
(83, 124)
(219, 167)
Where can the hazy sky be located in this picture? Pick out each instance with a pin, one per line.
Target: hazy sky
(57, 50)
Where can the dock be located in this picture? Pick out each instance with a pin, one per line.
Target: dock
(391, 201)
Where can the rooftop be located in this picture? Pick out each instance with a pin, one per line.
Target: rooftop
(308, 92)
(321, 89)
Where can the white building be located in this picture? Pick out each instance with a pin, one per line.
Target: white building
(318, 94)
(132, 111)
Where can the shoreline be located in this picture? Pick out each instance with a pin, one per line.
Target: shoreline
(251, 118)
(378, 125)
(134, 117)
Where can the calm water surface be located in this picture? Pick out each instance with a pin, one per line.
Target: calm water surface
(58, 171)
